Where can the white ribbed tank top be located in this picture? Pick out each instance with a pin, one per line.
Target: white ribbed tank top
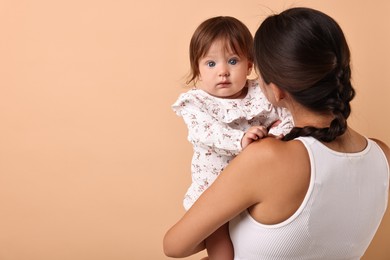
(344, 205)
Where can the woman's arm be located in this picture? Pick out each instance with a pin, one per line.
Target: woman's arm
(246, 181)
(231, 193)
(384, 147)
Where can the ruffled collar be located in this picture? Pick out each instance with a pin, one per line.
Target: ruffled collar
(228, 110)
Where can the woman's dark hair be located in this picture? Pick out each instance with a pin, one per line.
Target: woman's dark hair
(304, 52)
(232, 31)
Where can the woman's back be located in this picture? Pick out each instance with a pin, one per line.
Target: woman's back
(323, 190)
(342, 209)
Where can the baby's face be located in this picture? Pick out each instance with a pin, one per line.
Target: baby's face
(223, 73)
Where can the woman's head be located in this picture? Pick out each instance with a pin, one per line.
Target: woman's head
(230, 31)
(304, 52)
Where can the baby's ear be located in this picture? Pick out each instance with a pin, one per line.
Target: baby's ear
(250, 67)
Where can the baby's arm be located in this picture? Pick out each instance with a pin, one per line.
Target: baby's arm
(206, 130)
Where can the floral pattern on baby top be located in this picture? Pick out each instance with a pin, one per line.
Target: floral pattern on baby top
(216, 127)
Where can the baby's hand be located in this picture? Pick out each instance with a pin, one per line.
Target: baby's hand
(254, 133)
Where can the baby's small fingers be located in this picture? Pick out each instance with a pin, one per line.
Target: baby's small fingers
(261, 131)
(252, 135)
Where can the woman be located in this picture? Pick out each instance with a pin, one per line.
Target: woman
(322, 191)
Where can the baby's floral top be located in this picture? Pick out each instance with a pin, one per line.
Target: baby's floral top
(216, 127)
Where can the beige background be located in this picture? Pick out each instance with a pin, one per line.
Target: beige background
(93, 162)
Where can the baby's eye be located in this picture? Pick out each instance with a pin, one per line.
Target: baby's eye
(211, 63)
(233, 61)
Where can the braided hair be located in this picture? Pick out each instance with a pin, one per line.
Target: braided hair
(304, 52)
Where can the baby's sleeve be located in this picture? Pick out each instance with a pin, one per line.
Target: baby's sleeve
(286, 124)
(206, 130)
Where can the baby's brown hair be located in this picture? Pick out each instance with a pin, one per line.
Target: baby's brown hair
(233, 32)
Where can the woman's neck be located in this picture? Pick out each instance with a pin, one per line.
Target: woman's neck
(349, 142)
(304, 117)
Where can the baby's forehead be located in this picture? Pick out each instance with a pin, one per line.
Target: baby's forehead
(225, 44)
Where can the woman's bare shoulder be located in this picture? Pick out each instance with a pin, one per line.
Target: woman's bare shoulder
(275, 149)
(274, 157)
(281, 171)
